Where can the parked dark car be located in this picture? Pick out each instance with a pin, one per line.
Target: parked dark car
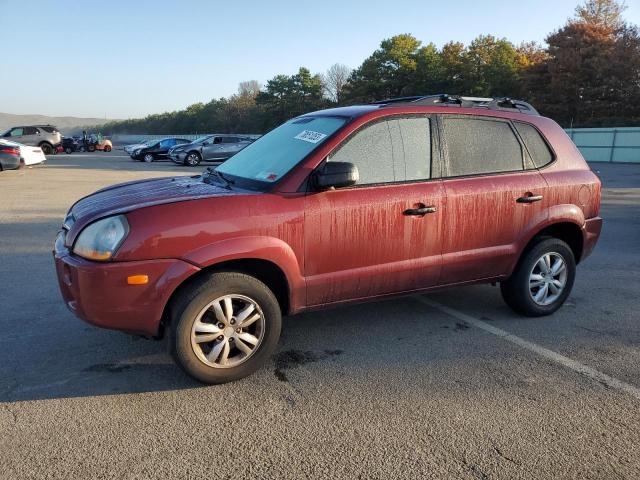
(158, 149)
(71, 144)
(212, 148)
(9, 156)
(342, 205)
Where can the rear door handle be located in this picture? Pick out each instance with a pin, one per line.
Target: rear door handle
(420, 211)
(529, 199)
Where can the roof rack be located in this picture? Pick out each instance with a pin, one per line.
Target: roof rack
(497, 103)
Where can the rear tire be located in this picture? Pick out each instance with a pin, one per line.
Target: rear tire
(192, 159)
(91, 148)
(200, 338)
(68, 150)
(543, 279)
(46, 148)
(107, 148)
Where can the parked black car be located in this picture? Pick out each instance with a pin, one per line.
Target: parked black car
(71, 144)
(9, 157)
(158, 149)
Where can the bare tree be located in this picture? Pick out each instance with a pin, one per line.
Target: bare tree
(334, 81)
(605, 13)
(250, 88)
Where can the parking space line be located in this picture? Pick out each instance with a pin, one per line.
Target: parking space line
(567, 362)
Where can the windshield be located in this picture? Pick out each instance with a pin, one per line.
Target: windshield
(202, 139)
(273, 155)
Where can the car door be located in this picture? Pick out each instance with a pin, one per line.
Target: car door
(31, 136)
(164, 147)
(16, 134)
(211, 149)
(382, 235)
(230, 146)
(492, 200)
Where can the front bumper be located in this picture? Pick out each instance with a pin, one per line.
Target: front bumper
(98, 292)
(177, 157)
(591, 233)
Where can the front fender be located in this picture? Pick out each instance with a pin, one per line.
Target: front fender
(266, 248)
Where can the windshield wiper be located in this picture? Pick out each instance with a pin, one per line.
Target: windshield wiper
(225, 181)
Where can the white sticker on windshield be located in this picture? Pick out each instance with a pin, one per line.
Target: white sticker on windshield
(310, 136)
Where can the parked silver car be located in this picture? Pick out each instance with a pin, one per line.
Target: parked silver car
(47, 137)
(211, 148)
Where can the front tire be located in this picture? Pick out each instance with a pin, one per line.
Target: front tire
(543, 279)
(148, 157)
(225, 328)
(68, 150)
(193, 159)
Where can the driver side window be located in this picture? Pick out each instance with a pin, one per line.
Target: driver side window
(370, 150)
(397, 149)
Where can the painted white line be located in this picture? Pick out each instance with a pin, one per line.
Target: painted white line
(537, 349)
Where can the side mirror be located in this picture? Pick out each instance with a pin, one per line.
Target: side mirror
(336, 175)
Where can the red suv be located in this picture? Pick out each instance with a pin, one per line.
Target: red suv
(335, 206)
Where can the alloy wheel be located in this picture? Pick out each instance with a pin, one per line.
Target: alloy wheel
(228, 331)
(548, 278)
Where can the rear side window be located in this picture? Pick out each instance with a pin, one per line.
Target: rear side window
(229, 140)
(48, 129)
(30, 131)
(536, 146)
(478, 146)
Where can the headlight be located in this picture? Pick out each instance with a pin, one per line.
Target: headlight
(137, 152)
(99, 240)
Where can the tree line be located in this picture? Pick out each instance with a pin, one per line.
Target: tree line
(588, 75)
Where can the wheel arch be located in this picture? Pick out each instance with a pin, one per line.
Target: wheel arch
(267, 271)
(567, 230)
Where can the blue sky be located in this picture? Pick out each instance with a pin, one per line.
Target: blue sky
(123, 59)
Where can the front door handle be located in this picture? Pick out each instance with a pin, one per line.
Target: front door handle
(420, 210)
(529, 199)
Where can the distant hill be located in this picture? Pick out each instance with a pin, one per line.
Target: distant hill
(67, 125)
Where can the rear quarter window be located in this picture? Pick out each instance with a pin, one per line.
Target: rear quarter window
(481, 146)
(536, 146)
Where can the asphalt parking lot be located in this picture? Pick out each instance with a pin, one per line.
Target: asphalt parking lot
(449, 385)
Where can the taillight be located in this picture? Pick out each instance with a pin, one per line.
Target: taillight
(10, 150)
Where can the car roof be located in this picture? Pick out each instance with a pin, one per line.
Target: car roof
(441, 103)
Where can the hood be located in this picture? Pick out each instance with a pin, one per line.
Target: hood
(125, 197)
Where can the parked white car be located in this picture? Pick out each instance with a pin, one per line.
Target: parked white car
(28, 155)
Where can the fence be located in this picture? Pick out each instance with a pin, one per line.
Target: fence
(617, 145)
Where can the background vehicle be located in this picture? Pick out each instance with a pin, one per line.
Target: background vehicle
(71, 144)
(129, 149)
(9, 156)
(212, 148)
(157, 149)
(335, 206)
(29, 155)
(47, 137)
(96, 141)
